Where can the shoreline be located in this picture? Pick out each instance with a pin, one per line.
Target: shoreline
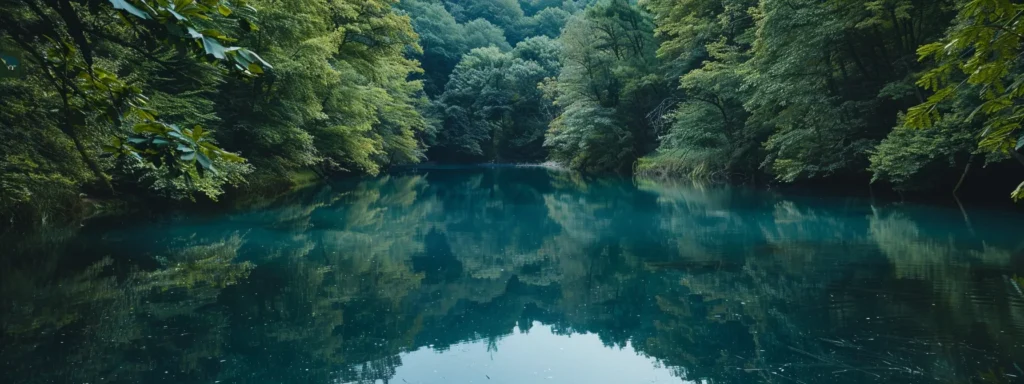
(89, 209)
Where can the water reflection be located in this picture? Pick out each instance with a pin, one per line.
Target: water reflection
(447, 275)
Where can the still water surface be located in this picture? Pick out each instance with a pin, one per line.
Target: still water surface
(522, 275)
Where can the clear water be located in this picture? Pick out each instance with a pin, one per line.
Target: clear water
(522, 275)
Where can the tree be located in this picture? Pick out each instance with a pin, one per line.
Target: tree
(340, 100)
(87, 64)
(979, 54)
(481, 33)
(707, 135)
(494, 109)
(829, 89)
(506, 14)
(443, 41)
(607, 86)
(548, 22)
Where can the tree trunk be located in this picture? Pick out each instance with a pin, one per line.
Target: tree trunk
(963, 177)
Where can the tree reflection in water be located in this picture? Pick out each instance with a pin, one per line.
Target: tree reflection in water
(336, 283)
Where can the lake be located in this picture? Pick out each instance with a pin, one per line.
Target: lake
(522, 275)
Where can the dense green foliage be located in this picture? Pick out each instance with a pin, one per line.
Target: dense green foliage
(152, 98)
(984, 47)
(802, 89)
(493, 107)
(812, 89)
(190, 98)
(607, 85)
(746, 90)
(93, 85)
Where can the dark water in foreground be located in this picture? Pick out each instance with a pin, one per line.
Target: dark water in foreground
(513, 275)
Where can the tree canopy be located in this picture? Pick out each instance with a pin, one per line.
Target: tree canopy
(191, 99)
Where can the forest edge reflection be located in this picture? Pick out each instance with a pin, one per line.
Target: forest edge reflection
(335, 283)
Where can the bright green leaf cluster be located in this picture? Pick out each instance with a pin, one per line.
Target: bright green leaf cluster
(979, 54)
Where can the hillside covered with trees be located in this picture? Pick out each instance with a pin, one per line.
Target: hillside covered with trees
(191, 99)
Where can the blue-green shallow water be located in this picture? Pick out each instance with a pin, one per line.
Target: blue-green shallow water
(522, 275)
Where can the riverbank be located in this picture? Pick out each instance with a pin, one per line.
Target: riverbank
(73, 211)
(264, 190)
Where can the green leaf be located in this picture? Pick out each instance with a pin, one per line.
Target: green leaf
(231, 157)
(185, 148)
(128, 7)
(213, 47)
(205, 161)
(144, 115)
(224, 10)
(188, 156)
(176, 133)
(177, 15)
(245, 57)
(156, 128)
(1020, 142)
(217, 35)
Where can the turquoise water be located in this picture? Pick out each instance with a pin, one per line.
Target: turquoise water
(522, 275)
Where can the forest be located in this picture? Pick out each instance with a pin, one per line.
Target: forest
(192, 100)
